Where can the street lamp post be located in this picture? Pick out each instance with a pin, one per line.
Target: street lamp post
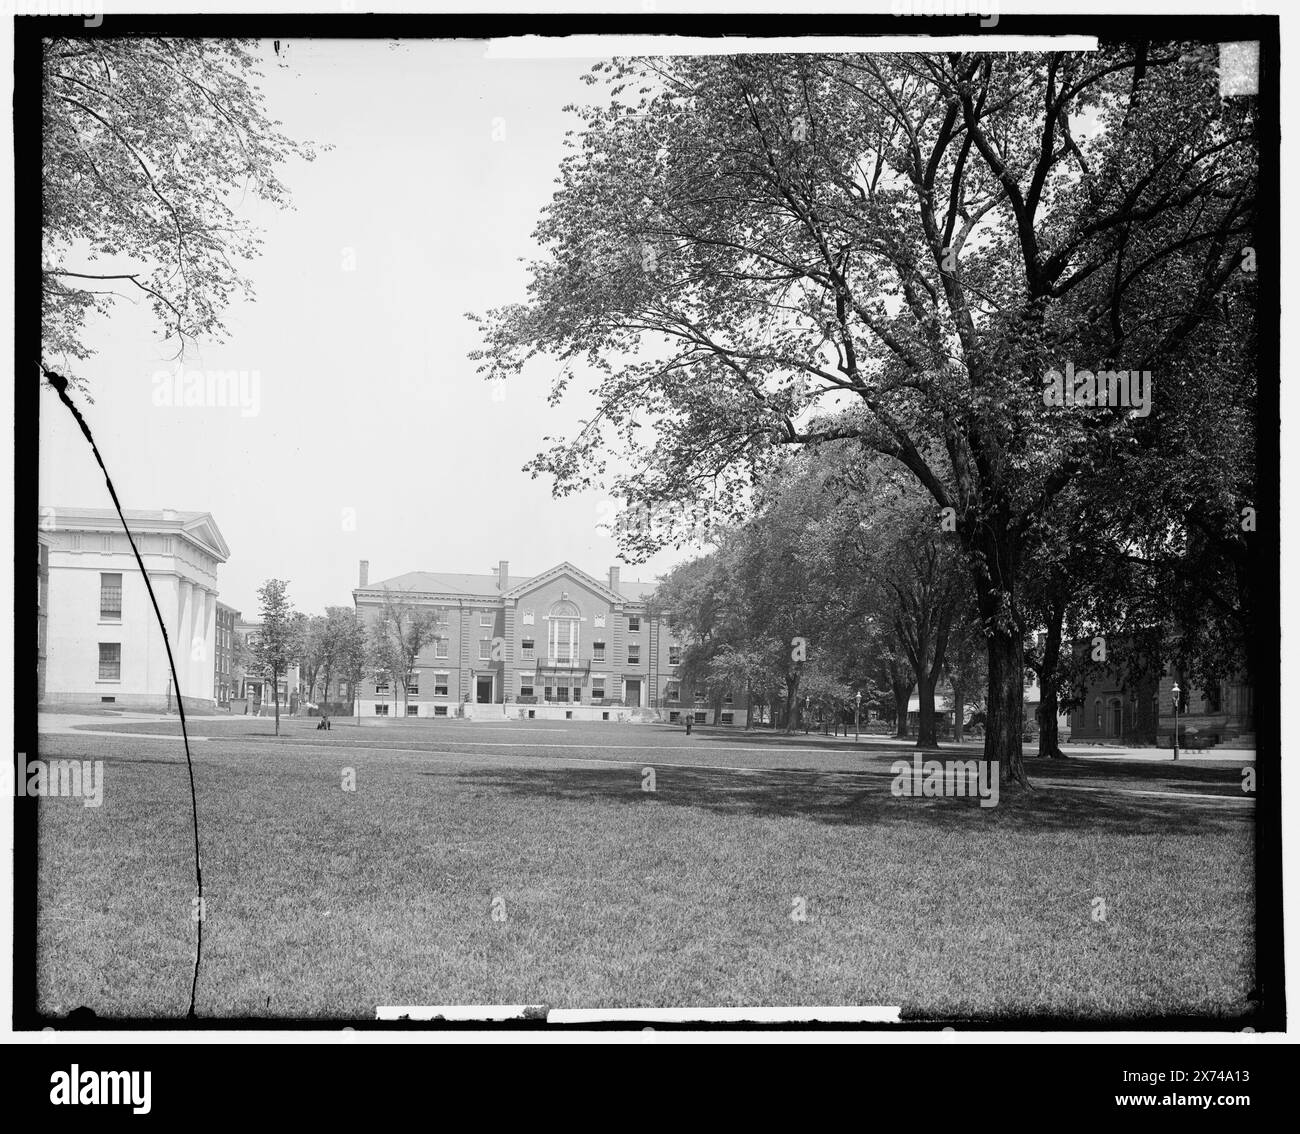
(1175, 693)
(857, 717)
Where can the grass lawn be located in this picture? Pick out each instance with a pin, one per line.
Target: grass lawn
(326, 903)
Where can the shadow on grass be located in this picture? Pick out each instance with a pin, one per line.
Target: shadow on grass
(865, 799)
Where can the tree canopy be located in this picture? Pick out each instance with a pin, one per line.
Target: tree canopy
(150, 146)
(898, 250)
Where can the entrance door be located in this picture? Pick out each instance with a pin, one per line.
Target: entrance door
(1116, 718)
(484, 696)
(632, 692)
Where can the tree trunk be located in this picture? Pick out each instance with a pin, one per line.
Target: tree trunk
(1049, 746)
(1049, 741)
(1005, 714)
(900, 714)
(275, 696)
(925, 731)
(958, 712)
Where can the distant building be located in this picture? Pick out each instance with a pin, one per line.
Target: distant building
(945, 713)
(103, 644)
(1121, 710)
(223, 678)
(560, 644)
(255, 686)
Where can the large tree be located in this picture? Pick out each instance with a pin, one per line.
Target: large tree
(278, 643)
(341, 649)
(755, 252)
(398, 636)
(149, 147)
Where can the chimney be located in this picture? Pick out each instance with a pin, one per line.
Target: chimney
(365, 573)
(503, 576)
(613, 580)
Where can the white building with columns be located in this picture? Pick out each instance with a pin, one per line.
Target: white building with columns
(103, 644)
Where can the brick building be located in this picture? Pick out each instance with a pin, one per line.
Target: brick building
(562, 644)
(1118, 709)
(223, 679)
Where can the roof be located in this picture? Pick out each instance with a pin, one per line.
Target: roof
(199, 527)
(445, 582)
(636, 590)
(485, 586)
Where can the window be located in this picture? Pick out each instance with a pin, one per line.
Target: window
(440, 710)
(634, 623)
(728, 699)
(699, 697)
(526, 687)
(561, 692)
(728, 718)
(412, 710)
(673, 693)
(529, 648)
(674, 716)
(110, 596)
(1097, 710)
(110, 661)
(548, 693)
(577, 694)
(598, 688)
(485, 649)
(413, 686)
(563, 633)
(486, 618)
(528, 618)
(440, 648)
(633, 654)
(381, 710)
(381, 685)
(597, 651)
(701, 718)
(440, 684)
(674, 655)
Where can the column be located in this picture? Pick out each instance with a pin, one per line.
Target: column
(206, 664)
(181, 644)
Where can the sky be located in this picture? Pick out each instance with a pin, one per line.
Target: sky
(373, 437)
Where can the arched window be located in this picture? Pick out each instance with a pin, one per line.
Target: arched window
(562, 631)
(1096, 708)
(1115, 711)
